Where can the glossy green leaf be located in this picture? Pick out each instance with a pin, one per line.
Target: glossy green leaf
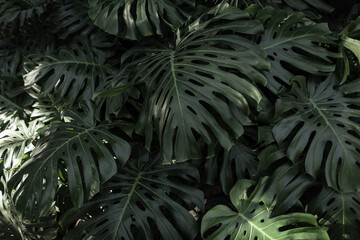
(204, 84)
(89, 151)
(16, 141)
(293, 43)
(136, 18)
(325, 119)
(140, 202)
(72, 74)
(252, 220)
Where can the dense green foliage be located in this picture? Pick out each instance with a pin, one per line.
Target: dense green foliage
(179, 119)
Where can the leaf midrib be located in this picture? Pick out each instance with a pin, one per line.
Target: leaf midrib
(328, 124)
(127, 203)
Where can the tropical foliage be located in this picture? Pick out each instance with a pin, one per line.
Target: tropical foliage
(179, 119)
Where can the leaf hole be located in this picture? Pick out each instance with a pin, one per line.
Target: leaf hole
(196, 82)
(191, 110)
(189, 93)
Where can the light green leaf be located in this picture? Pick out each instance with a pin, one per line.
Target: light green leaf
(353, 45)
(252, 220)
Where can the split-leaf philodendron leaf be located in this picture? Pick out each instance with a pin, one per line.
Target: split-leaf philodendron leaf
(189, 87)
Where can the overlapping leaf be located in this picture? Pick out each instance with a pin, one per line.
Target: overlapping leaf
(339, 212)
(141, 202)
(293, 44)
(71, 17)
(252, 219)
(89, 151)
(135, 18)
(325, 119)
(237, 163)
(201, 85)
(21, 10)
(70, 75)
(16, 141)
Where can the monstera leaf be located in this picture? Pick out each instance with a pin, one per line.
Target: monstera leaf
(89, 151)
(252, 219)
(70, 75)
(326, 119)
(286, 186)
(15, 142)
(201, 86)
(144, 200)
(11, 10)
(339, 212)
(135, 18)
(237, 163)
(293, 43)
(71, 17)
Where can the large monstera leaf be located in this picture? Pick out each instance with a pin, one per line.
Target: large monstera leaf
(293, 44)
(252, 219)
(144, 200)
(71, 74)
(326, 119)
(201, 85)
(339, 212)
(89, 153)
(135, 18)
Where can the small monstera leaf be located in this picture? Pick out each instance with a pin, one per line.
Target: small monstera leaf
(252, 219)
(326, 119)
(70, 75)
(293, 44)
(135, 18)
(89, 151)
(143, 200)
(71, 17)
(22, 10)
(337, 211)
(202, 85)
(17, 140)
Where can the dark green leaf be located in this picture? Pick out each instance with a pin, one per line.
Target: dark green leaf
(324, 119)
(293, 44)
(89, 151)
(140, 202)
(203, 85)
(136, 18)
